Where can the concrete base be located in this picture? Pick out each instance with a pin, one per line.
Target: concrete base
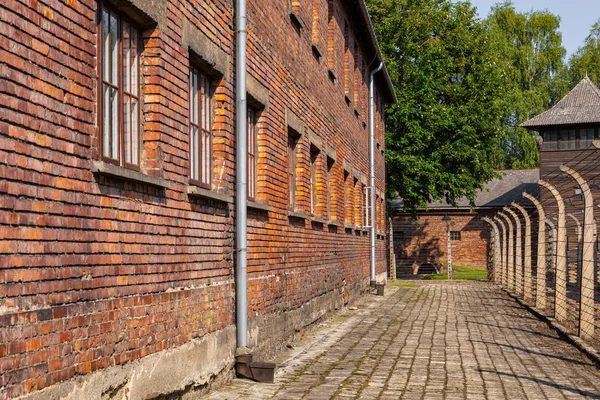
(269, 334)
(184, 372)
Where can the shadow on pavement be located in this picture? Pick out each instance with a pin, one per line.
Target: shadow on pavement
(587, 394)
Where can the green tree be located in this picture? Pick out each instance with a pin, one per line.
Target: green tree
(532, 59)
(586, 61)
(442, 135)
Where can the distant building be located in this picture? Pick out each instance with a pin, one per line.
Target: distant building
(423, 242)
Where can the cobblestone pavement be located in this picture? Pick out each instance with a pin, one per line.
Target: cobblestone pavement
(458, 340)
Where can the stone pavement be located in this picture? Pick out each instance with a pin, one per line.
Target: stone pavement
(432, 340)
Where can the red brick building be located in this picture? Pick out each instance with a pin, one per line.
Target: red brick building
(118, 181)
(425, 240)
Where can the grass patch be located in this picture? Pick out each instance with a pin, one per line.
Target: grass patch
(461, 273)
(402, 284)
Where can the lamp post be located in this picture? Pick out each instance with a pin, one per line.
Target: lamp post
(448, 222)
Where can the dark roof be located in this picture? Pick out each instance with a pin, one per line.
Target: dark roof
(362, 21)
(496, 193)
(580, 106)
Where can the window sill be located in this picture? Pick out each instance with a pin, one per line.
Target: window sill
(316, 51)
(333, 223)
(356, 113)
(296, 20)
(297, 214)
(318, 221)
(208, 194)
(332, 76)
(259, 206)
(348, 100)
(103, 168)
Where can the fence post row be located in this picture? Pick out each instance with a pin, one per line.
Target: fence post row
(510, 264)
(504, 248)
(586, 306)
(560, 304)
(540, 291)
(518, 282)
(496, 249)
(527, 278)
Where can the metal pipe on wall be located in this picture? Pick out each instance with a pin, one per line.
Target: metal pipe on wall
(241, 284)
(372, 166)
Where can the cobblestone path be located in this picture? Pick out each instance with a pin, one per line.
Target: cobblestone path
(433, 340)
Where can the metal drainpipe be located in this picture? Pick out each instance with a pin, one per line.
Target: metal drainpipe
(372, 165)
(241, 286)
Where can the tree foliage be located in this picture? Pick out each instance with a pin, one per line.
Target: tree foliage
(443, 132)
(532, 58)
(586, 61)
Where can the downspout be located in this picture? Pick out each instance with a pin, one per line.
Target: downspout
(241, 274)
(372, 166)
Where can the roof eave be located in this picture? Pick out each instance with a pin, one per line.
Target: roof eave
(392, 98)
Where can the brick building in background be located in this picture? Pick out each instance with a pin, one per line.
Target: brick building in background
(117, 187)
(424, 241)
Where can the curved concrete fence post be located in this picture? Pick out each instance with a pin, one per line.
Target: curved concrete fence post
(560, 305)
(527, 278)
(540, 280)
(495, 248)
(586, 307)
(510, 252)
(504, 248)
(518, 279)
(551, 253)
(579, 243)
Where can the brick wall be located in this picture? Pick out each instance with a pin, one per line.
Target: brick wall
(98, 269)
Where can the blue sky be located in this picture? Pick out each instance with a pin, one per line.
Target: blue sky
(577, 16)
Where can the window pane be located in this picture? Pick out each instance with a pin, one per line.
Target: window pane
(126, 67)
(106, 137)
(127, 128)
(550, 140)
(114, 50)
(196, 153)
(114, 109)
(135, 139)
(205, 157)
(106, 45)
(205, 104)
(586, 136)
(134, 62)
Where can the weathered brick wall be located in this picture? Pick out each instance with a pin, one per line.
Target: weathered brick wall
(425, 240)
(97, 271)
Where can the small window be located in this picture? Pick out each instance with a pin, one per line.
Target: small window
(314, 165)
(356, 205)
(251, 134)
(119, 96)
(331, 191)
(568, 138)
(586, 137)
(455, 235)
(200, 129)
(550, 140)
(348, 198)
(293, 138)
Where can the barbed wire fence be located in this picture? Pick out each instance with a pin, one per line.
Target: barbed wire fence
(554, 265)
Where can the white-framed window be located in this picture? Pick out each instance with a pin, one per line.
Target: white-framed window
(200, 128)
(119, 93)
